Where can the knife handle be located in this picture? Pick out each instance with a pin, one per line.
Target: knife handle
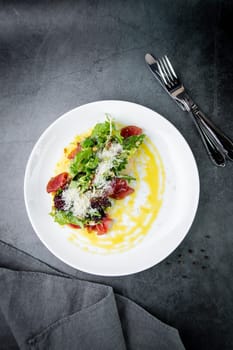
(217, 134)
(217, 157)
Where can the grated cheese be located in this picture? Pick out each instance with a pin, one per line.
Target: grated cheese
(76, 202)
(107, 156)
(111, 152)
(80, 203)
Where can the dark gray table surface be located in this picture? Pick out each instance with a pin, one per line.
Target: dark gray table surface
(57, 55)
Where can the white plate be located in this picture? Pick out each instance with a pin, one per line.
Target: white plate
(180, 198)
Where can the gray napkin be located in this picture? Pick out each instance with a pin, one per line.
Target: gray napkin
(43, 308)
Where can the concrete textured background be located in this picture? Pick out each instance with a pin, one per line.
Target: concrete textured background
(56, 55)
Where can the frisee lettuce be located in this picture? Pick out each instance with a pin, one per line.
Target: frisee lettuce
(85, 163)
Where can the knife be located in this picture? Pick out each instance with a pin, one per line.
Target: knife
(215, 153)
(152, 65)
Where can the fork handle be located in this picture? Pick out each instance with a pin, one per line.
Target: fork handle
(217, 134)
(216, 155)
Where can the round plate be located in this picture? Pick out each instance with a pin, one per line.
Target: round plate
(180, 197)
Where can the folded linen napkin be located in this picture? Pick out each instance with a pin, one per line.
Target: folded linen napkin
(43, 308)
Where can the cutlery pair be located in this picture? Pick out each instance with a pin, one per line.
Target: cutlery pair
(218, 146)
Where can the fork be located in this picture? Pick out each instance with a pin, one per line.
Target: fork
(217, 144)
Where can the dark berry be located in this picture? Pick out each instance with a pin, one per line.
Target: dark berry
(100, 203)
(59, 202)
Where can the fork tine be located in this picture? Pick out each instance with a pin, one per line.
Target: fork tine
(161, 72)
(165, 72)
(170, 66)
(168, 71)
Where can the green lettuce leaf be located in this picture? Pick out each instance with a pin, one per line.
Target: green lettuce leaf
(84, 162)
(65, 217)
(132, 143)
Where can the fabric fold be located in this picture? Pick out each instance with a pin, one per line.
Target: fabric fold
(48, 309)
(96, 327)
(59, 311)
(144, 331)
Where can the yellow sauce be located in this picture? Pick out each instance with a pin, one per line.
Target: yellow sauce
(132, 216)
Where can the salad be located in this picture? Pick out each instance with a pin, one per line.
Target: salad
(97, 177)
